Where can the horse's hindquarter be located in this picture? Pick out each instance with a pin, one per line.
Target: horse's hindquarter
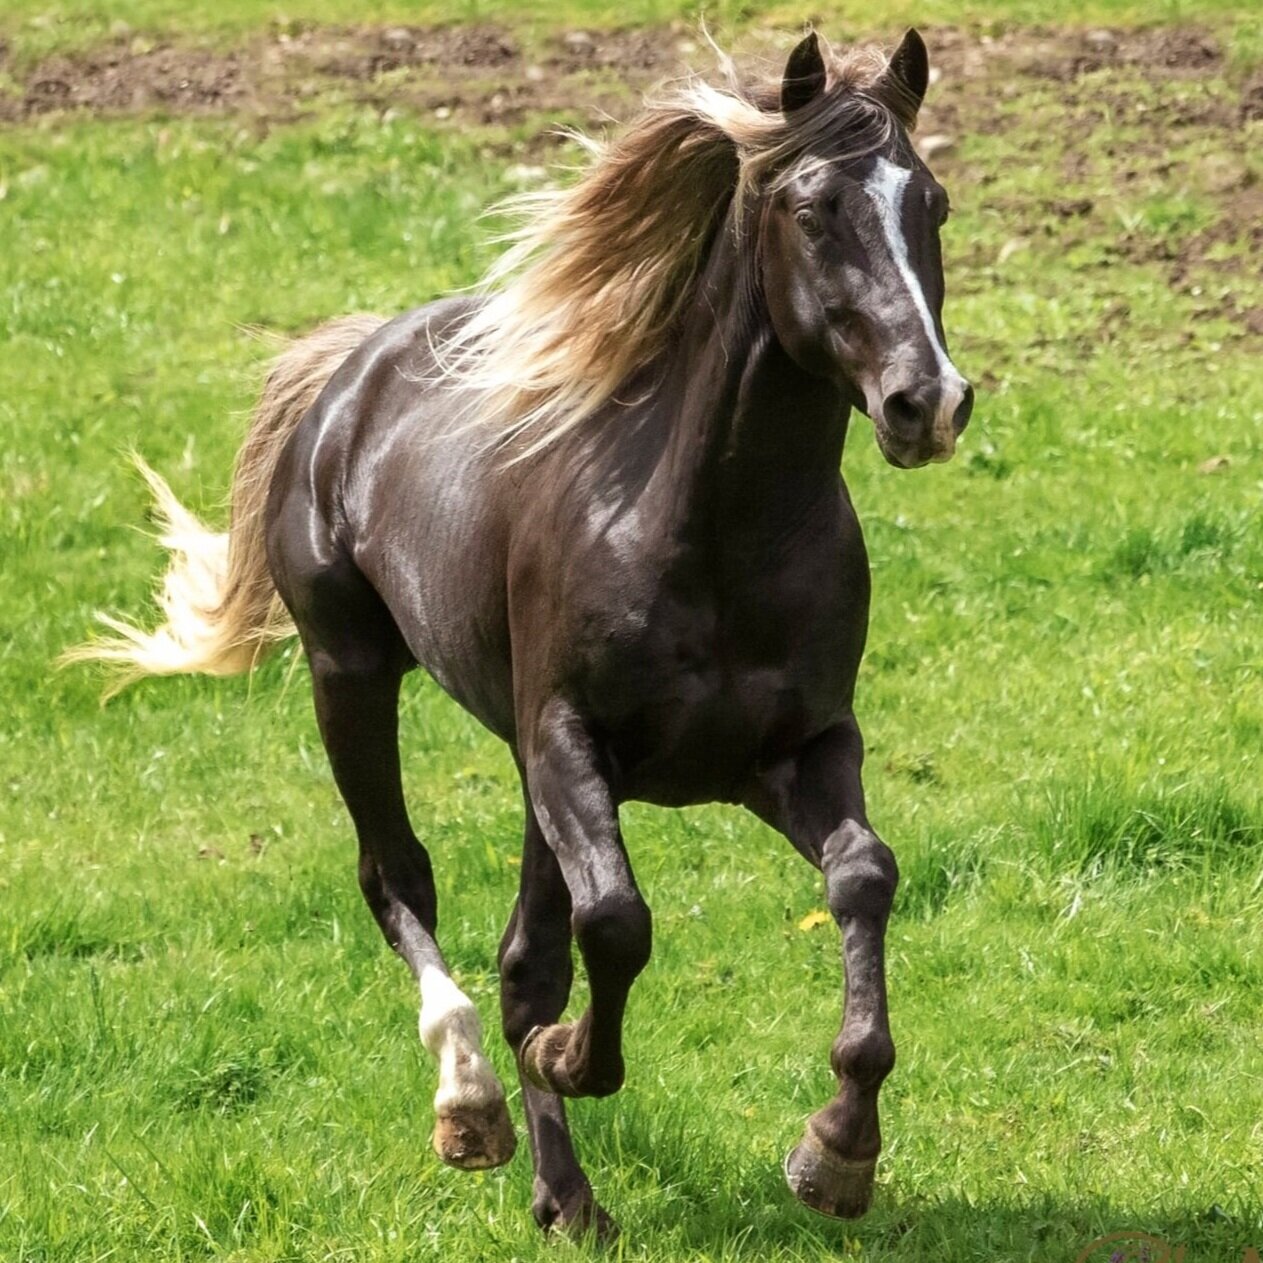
(407, 497)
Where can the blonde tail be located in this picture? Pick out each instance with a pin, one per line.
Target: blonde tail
(221, 612)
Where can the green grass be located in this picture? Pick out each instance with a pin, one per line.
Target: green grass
(206, 1052)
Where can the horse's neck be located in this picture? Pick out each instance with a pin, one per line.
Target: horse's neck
(755, 441)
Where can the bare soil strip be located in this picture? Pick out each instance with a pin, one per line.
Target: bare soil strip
(484, 74)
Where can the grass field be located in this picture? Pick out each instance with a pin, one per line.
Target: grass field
(206, 1052)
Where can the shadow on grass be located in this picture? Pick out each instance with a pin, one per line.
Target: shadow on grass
(953, 1230)
(681, 1199)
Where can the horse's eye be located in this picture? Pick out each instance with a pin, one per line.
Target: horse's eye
(808, 222)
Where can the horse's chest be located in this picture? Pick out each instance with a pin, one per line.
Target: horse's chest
(707, 690)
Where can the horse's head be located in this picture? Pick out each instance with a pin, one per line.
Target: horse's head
(851, 263)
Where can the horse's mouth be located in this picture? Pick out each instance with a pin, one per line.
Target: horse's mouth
(910, 455)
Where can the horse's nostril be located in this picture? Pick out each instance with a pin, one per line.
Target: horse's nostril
(964, 410)
(904, 411)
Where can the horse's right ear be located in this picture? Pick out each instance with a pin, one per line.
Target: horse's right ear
(804, 75)
(907, 77)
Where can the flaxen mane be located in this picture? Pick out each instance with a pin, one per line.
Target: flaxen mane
(596, 274)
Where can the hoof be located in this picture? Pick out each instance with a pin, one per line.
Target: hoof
(474, 1137)
(540, 1055)
(841, 1188)
(577, 1217)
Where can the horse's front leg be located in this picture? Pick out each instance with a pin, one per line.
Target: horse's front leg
(577, 815)
(817, 801)
(535, 977)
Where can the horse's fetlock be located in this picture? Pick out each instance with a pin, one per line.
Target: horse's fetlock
(865, 1059)
(604, 1081)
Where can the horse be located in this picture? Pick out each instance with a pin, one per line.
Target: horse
(599, 500)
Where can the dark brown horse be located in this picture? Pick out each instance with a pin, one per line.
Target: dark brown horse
(600, 504)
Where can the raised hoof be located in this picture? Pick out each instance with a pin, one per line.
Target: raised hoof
(841, 1188)
(474, 1137)
(541, 1053)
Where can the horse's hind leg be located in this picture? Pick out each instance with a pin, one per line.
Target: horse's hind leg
(357, 661)
(535, 977)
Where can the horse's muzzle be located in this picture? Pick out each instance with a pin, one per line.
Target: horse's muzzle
(919, 424)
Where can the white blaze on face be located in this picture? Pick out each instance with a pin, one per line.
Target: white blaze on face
(452, 1033)
(885, 186)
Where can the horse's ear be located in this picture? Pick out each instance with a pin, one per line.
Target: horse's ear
(907, 76)
(804, 75)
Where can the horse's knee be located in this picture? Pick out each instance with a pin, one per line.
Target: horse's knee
(860, 874)
(615, 932)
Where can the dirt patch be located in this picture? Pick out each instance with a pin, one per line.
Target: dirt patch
(466, 68)
(477, 70)
(118, 80)
(1067, 55)
(1160, 51)
(1252, 98)
(632, 51)
(270, 76)
(366, 54)
(1239, 223)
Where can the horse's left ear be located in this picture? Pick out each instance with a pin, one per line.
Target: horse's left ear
(907, 76)
(804, 75)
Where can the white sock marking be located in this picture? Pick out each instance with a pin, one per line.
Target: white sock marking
(452, 1033)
